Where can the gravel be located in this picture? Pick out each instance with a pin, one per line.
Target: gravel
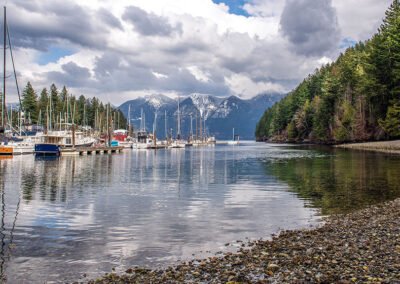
(392, 147)
(360, 247)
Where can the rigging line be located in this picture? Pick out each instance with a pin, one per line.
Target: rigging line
(15, 73)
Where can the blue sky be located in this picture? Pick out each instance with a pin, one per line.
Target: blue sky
(347, 42)
(53, 54)
(235, 6)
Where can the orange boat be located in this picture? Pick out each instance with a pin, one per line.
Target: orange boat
(6, 150)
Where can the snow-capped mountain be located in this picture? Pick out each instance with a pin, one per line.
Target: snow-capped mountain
(205, 104)
(220, 115)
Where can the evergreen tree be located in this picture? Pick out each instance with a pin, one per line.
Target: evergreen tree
(353, 99)
(391, 124)
(43, 101)
(29, 103)
(54, 102)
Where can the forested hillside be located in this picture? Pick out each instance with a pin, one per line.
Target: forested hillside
(61, 106)
(356, 98)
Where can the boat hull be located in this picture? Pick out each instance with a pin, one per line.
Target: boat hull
(141, 146)
(23, 149)
(126, 144)
(47, 149)
(6, 151)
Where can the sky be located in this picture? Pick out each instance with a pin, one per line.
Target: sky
(119, 50)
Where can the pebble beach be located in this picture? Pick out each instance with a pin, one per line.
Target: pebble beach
(383, 146)
(359, 247)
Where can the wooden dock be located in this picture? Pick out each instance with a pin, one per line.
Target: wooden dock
(81, 151)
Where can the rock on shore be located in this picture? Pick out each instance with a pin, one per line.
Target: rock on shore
(361, 247)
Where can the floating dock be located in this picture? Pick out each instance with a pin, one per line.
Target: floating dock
(80, 151)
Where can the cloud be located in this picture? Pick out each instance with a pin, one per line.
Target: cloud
(358, 20)
(148, 24)
(108, 18)
(40, 24)
(114, 50)
(311, 26)
(72, 75)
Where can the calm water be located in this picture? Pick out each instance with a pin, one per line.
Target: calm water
(65, 217)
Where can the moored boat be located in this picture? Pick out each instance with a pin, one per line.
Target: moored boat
(211, 140)
(21, 148)
(6, 150)
(121, 135)
(235, 140)
(47, 149)
(143, 141)
(177, 144)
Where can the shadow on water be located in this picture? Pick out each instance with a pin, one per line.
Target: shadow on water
(340, 181)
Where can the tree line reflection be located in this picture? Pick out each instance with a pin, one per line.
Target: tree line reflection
(342, 181)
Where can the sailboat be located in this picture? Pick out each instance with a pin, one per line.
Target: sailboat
(235, 139)
(143, 139)
(178, 143)
(5, 147)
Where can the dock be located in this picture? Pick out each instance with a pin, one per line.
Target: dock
(81, 151)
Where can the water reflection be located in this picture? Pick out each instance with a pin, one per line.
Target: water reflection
(89, 214)
(341, 180)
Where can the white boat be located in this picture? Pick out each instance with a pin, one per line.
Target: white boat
(235, 140)
(65, 139)
(177, 144)
(126, 144)
(143, 141)
(24, 144)
(211, 140)
(23, 147)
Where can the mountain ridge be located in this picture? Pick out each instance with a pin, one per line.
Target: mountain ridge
(220, 114)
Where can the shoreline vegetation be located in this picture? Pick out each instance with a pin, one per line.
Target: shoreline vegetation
(355, 98)
(359, 247)
(392, 147)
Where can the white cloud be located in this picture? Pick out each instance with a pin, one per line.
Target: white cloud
(207, 50)
(246, 88)
(359, 20)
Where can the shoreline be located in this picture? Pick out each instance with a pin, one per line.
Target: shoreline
(392, 147)
(359, 247)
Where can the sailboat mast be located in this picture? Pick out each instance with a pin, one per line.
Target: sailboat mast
(166, 131)
(84, 114)
(4, 110)
(191, 127)
(129, 118)
(141, 120)
(179, 120)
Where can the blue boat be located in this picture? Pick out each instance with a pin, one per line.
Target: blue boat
(46, 149)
